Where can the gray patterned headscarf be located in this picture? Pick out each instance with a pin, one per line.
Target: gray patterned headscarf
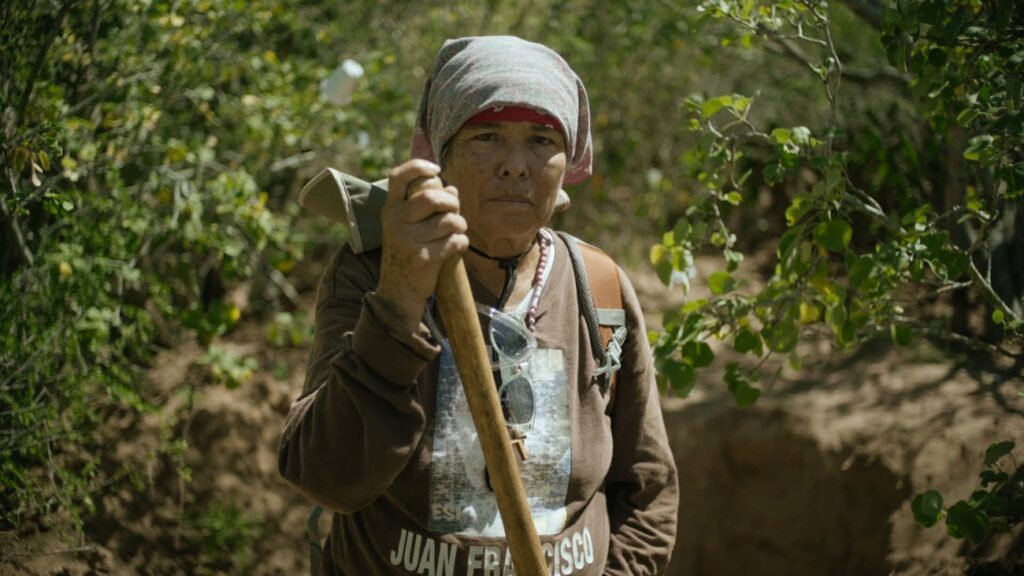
(480, 73)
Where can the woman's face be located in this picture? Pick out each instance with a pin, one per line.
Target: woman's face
(508, 175)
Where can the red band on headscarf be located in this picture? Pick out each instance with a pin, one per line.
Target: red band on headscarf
(514, 114)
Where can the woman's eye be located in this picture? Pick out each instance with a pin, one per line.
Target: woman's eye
(486, 137)
(543, 140)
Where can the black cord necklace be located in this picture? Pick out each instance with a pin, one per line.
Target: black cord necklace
(509, 265)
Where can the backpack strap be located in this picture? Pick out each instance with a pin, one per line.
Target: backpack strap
(600, 302)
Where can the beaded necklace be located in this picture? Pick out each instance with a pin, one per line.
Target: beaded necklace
(539, 278)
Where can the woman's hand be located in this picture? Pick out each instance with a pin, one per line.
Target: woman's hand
(421, 228)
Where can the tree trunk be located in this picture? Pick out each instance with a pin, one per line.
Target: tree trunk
(1007, 261)
(953, 192)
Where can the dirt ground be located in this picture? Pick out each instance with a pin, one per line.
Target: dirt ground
(815, 480)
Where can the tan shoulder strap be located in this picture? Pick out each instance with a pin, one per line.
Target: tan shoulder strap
(604, 283)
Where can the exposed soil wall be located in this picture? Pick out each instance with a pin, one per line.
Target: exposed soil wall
(761, 496)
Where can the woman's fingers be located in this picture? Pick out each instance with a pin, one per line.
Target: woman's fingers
(436, 227)
(425, 203)
(441, 249)
(416, 193)
(401, 176)
(419, 210)
(421, 227)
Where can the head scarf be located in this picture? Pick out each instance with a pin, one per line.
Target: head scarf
(486, 72)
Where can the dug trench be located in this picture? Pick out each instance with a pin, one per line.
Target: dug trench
(816, 479)
(760, 495)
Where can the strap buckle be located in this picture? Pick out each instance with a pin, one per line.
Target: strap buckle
(612, 359)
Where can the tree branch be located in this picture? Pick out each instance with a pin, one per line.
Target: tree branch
(46, 186)
(293, 161)
(284, 285)
(865, 203)
(885, 75)
(953, 337)
(985, 287)
(26, 253)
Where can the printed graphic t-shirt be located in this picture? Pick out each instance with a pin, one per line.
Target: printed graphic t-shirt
(382, 435)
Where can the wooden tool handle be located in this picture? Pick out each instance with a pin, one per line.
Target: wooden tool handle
(458, 312)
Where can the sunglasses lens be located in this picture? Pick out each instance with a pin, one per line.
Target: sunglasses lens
(517, 401)
(510, 337)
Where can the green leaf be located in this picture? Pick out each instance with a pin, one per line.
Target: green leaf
(745, 395)
(998, 317)
(927, 508)
(834, 235)
(991, 477)
(664, 270)
(963, 521)
(861, 270)
(796, 210)
(809, 312)
(681, 259)
(774, 173)
(781, 135)
(734, 198)
(699, 354)
(733, 259)
(997, 450)
(748, 341)
(669, 238)
(710, 107)
(694, 305)
(846, 334)
(935, 241)
(965, 117)
(693, 102)
(901, 335)
(721, 282)
(742, 392)
(682, 230)
(782, 337)
(956, 263)
(658, 252)
(681, 376)
(977, 146)
(788, 242)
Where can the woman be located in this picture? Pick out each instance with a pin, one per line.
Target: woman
(382, 434)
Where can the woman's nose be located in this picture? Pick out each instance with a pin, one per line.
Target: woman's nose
(514, 164)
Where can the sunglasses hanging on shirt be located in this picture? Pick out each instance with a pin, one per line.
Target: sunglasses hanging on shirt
(513, 344)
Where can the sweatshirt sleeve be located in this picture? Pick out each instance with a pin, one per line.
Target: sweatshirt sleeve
(359, 418)
(642, 489)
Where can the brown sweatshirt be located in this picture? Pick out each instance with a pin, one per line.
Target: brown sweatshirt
(382, 436)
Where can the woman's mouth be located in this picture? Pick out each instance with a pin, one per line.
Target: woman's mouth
(511, 198)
